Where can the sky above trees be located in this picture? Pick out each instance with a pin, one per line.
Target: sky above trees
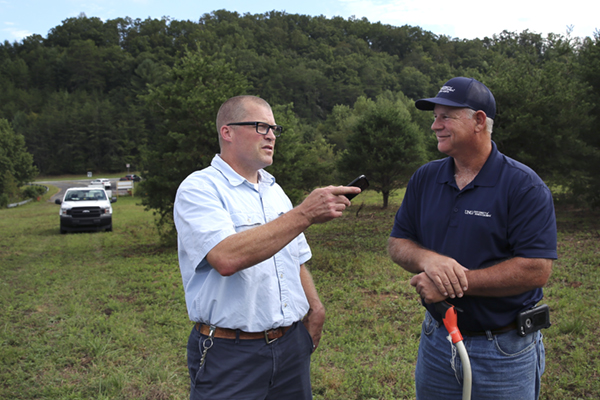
(22, 18)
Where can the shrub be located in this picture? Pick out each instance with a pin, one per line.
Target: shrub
(33, 191)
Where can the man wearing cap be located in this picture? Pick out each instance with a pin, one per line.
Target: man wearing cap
(478, 230)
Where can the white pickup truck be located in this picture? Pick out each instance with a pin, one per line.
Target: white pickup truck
(85, 209)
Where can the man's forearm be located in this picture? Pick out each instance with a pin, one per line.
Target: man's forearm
(406, 253)
(511, 277)
(245, 249)
(310, 290)
(315, 318)
(445, 273)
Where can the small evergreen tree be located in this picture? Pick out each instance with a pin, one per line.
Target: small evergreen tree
(16, 164)
(384, 144)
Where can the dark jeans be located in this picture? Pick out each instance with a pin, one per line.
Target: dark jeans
(252, 369)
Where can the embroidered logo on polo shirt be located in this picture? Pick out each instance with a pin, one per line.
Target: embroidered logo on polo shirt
(446, 89)
(478, 213)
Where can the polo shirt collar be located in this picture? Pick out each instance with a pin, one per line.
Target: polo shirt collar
(490, 173)
(488, 176)
(236, 179)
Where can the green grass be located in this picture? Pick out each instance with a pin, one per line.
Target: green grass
(102, 315)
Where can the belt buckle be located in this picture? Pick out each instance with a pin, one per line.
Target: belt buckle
(269, 341)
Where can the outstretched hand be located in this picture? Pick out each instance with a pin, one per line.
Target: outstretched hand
(325, 204)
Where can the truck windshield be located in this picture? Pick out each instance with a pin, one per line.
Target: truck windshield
(85, 195)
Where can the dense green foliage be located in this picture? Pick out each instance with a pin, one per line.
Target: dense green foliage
(16, 164)
(183, 138)
(95, 96)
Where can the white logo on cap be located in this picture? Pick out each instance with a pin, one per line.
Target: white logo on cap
(446, 89)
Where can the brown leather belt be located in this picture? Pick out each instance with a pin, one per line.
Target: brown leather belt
(225, 333)
(504, 329)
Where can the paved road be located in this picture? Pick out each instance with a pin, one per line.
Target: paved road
(64, 185)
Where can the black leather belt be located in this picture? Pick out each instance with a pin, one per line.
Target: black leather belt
(510, 327)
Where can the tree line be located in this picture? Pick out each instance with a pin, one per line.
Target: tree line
(94, 96)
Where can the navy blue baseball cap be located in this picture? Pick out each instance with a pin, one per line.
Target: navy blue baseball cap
(462, 92)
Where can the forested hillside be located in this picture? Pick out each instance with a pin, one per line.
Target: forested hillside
(94, 95)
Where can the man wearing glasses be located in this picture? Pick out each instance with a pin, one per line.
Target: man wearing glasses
(241, 253)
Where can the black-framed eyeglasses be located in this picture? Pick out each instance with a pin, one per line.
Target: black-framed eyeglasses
(262, 127)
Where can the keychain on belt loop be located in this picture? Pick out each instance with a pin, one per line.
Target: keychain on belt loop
(207, 344)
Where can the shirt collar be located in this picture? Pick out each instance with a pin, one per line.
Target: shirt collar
(236, 179)
(488, 176)
(490, 173)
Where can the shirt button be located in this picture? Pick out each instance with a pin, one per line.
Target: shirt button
(456, 210)
(285, 305)
(281, 275)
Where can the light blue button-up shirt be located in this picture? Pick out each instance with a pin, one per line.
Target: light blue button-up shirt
(213, 204)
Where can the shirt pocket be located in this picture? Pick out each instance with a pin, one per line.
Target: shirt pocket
(245, 221)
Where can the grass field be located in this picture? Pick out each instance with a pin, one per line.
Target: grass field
(102, 315)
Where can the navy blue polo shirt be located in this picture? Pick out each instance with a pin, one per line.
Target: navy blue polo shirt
(506, 211)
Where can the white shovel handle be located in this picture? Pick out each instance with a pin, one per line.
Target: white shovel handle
(466, 367)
